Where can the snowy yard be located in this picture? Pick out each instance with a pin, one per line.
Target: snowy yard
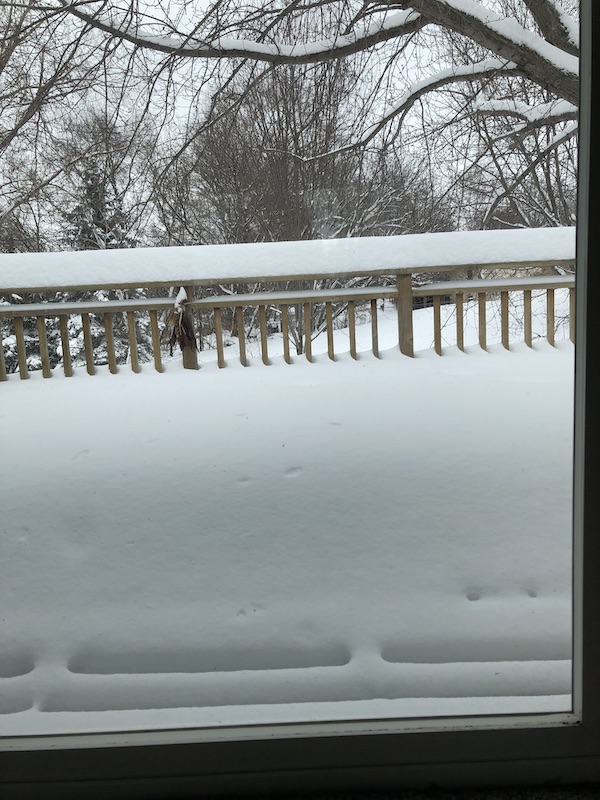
(376, 538)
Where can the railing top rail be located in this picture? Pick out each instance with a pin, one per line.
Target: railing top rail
(285, 261)
(55, 309)
(292, 297)
(496, 285)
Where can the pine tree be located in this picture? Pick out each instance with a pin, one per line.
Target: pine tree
(99, 221)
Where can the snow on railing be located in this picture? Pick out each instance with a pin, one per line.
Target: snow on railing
(329, 280)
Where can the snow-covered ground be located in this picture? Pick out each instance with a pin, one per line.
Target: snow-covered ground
(373, 538)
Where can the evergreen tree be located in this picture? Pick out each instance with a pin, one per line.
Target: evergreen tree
(98, 220)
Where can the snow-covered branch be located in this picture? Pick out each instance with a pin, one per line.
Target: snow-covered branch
(564, 136)
(466, 74)
(541, 60)
(533, 117)
(220, 47)
(556, 26)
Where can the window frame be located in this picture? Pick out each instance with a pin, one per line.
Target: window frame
(496, 751)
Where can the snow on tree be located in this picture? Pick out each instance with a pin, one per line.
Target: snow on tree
(99, 220)
(502, 73)
(242, 182)
(511, 45)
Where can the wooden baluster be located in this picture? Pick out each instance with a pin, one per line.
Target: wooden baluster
(131, 336)
(285, 332)
(481, 304)
(504, 319)
(189, 354)
(110, 344)
(572, 314)
(262, 321)
(43, 343)
(352, 328)
(21, 348)
(405, 314)
(307, 331)
(239, 316)
(88, 344)
(219, 337)
(66, 349)
(158, 365)
(527, 318)
(329, 322)
(550, 316)
(3, 375)
(460, 321)
(437, 324)
(374, 328)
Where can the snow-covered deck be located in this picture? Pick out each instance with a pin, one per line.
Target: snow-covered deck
(370, 538)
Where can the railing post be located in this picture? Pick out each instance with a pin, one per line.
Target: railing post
(110, 345)
(504, 327)
(21, 348)
(550, 316)
(527, 318)
(3, 375)
(66, 352)
(437, 324)
(460, 321)
(155, 341)
(285, 332)
(190, 354)
(88, 344)
(405, 312)
(307, 331)
(572, 315)
(43, 342)
(264, 342)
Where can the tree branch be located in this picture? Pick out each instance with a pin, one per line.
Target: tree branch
(469, 73)
(562, 137)
(466, 74)
(220, 47)
(540, 61)
(554, 25)
(533, 117)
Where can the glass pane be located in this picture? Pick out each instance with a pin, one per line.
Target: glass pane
(308, 455)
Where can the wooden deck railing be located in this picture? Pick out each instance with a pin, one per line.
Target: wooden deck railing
(398, 287)
(402, 294)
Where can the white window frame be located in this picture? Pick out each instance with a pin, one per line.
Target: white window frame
(494, 751)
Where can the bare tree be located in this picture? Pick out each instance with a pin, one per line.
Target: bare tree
(519, 58)
(509, 142)
(54, 72)
(45, 61)
(535, 40)
(242, 178)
